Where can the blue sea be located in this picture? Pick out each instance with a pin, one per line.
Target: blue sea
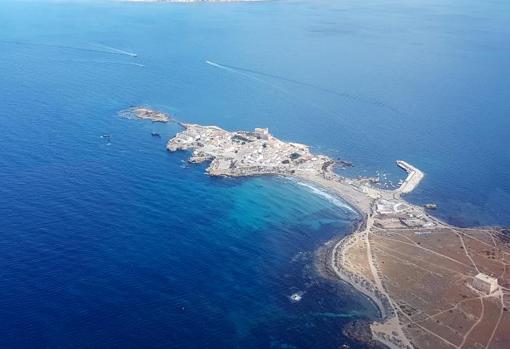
(115, 243)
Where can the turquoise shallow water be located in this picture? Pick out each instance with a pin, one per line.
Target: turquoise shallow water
(120, 244)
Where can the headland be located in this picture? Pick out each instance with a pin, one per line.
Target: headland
(435, 285)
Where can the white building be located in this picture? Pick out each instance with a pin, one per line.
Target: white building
(485, 283)
(262, 133)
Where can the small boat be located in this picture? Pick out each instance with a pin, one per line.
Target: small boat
(431, 206)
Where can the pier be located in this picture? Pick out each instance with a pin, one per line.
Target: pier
(414, 177)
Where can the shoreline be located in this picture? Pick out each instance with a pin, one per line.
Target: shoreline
(336, 246)
(253, 153)
(387, 254)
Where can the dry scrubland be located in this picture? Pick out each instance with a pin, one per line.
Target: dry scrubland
(428, 276)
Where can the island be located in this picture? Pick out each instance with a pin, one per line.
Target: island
(435, 285)
(145, 114)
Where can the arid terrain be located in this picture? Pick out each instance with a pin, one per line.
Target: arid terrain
(427, 274)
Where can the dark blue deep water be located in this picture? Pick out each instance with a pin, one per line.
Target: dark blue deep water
(118, 244)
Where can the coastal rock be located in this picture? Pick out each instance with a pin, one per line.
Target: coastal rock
(145, 114)
(359, 330)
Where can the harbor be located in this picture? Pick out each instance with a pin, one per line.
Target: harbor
(413, 179)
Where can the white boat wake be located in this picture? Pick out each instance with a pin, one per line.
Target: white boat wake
(346, 95)
(245, 74)
(252, 76)
(216, 65)
(99, 48)
(117, 50)
(92, 61)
